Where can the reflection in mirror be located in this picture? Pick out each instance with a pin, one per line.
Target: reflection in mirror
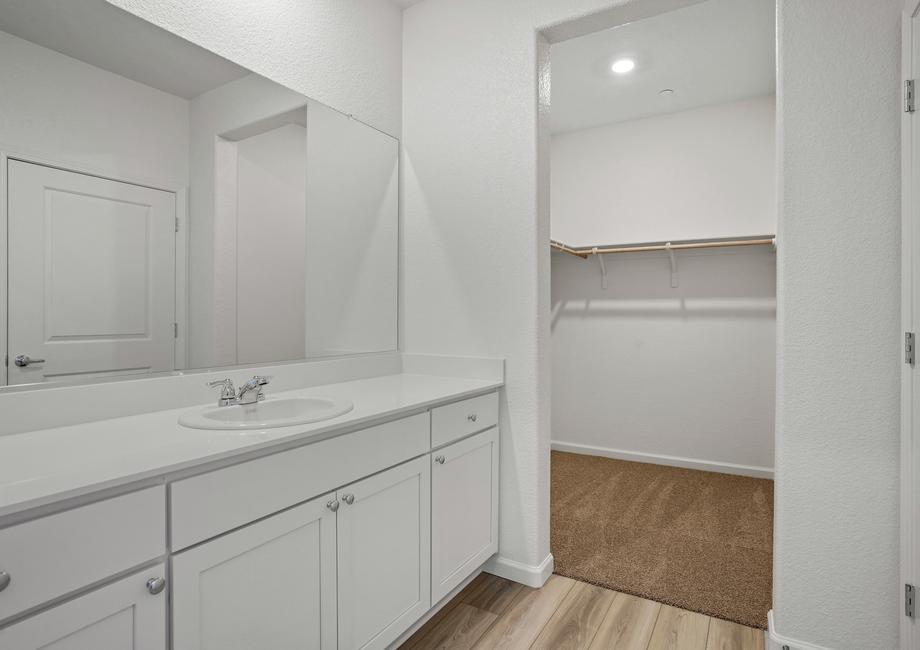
(168, 209)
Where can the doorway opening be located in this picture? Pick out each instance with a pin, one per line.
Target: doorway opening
(663, 292)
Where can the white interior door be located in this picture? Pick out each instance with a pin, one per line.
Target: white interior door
(91, 275)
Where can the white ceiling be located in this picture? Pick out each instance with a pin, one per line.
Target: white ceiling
(715, 51)
(406, 3)
(102, 35)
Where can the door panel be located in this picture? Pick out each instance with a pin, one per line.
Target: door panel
(119, 616)
(91, 275)
(464, 510)
(384, 555)
(268, 585)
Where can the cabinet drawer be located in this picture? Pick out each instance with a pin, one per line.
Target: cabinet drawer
(57, 554)
(210, 504)
(454, 421)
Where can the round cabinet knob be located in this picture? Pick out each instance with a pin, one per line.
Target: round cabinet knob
(5, 580)
(348, 498)
(156, 585)
(333, 505)
(472, 417)
(440, 460)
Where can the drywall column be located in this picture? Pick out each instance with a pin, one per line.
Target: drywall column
(476, 225)
(836, 529)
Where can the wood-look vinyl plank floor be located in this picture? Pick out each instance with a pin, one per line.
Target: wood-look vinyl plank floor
(495, 613)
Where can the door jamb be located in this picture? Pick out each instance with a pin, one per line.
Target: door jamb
(910, 389)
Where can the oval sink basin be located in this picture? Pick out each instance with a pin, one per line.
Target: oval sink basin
(268, 414)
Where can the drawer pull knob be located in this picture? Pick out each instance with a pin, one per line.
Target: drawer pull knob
(348, 498)
(333, 505)
(440, 460)
(156, 585)
(472, 417)
(5, 580)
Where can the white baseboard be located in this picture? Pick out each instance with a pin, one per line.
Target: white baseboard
(661, 459)
(531, 576)
(777, 641)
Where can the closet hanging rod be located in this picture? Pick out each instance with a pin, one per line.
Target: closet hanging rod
(585, 251)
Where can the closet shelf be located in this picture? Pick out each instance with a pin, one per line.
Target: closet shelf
(584, 251)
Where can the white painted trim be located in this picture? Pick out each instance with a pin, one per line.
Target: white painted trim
(777, 641)
(910, 185)
(181, 266)
(530, 576)
(661, 459)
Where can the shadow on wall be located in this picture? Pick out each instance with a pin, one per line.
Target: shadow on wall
(711, 284)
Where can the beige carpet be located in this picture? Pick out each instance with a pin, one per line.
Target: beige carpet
(696, 540)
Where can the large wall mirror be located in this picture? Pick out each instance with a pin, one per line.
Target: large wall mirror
(165, 209)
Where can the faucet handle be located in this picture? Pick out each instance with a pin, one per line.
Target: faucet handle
(261, 380)
(227, 390)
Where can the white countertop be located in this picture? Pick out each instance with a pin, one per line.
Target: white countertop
(41, 467)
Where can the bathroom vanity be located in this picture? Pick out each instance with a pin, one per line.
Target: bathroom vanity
(184, 223)
(338, 534)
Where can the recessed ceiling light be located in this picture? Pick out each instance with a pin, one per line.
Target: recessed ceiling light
(622, 66)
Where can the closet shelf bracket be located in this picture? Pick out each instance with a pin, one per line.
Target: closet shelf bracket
(674, 278)
(600, 260)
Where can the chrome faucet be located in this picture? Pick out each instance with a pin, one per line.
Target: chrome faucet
(251, 391)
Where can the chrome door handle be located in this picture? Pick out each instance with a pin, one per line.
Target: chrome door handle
(472, 417)
(333, 505)
(439, 460)
(5, 580)
(23, 360)
(348, 498)
(156, 585)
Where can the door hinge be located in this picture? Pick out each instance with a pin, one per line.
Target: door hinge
(909, 347)
(909, 600)
(177, 224)
(909, 104)
(175, 330)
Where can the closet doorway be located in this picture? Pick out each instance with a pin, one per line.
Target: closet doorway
(663, 326)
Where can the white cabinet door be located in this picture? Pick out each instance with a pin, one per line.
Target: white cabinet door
(92, 275)
(464, 509)
(384, 538)
(121, 616)
(269, 585)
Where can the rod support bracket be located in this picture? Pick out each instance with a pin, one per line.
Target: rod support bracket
(600, 260)
(674, 278)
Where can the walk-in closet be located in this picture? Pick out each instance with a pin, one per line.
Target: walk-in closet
(663, 225)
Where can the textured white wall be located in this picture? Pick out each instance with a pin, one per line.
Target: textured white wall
(836, 529)
(76, 114)
(703, 173)
(686, 372)
(270, 255)
(352, 203)
(641, 367)
(343, 53)
(476, 255)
